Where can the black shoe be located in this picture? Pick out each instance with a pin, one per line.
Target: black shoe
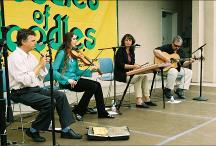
(167, 93)
(78, 117)
(180, 93)
(35, 136)
(106, 115)
(143, 105)
(71, 135)
(150, 103)
(91, 110)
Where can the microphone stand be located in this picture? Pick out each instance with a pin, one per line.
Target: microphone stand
(114, 58)
(51, 95)
(2, 108)
(114, 52)
(200, 98)
(10, 117)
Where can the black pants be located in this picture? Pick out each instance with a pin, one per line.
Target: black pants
(90, 88)
(39, 99)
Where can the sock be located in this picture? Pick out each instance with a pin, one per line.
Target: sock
(32, 130)
(66, 129)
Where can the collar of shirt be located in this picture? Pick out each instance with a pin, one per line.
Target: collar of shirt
(24, 54)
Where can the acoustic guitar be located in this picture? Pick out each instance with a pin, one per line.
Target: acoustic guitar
(174, 58)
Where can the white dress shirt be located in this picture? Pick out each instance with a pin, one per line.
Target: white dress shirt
(21, 70)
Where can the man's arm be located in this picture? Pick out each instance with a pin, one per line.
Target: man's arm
(158, 53)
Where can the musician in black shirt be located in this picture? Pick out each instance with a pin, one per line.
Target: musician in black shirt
(124, 62)
(180, 71)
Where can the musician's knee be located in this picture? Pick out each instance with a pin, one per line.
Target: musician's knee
(173, 72)
(189, 72)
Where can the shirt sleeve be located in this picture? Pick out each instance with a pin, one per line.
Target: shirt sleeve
(57, 66)
(21, 73)
(163, 48)
(119, 59)
(182, 55)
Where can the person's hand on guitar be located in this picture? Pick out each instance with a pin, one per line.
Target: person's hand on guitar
(167, 60)
(191, 60)
(188, 62)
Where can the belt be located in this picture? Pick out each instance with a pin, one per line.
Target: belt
(26, 90)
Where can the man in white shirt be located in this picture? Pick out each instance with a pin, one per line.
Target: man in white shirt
(26, 75)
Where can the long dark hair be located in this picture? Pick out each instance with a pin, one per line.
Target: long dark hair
(66, 46)
(131, 50)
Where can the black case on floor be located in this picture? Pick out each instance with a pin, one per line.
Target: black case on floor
(114, 133)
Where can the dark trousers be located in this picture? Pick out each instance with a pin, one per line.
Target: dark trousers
(90, 88)
(39, 99)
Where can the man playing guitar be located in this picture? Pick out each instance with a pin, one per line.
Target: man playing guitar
(167, 53)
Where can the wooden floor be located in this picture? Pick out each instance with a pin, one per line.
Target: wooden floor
(187, 123)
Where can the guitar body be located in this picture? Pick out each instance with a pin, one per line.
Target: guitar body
(173, 57)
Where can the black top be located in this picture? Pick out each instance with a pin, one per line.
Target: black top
(121, 59)
(168, 49)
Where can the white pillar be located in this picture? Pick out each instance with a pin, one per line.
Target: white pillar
(204, 31)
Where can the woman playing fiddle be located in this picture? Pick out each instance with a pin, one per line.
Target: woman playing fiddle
(68, 74)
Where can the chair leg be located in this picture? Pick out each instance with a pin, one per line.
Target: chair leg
(129, 97)
(21, 120)
(77, 98)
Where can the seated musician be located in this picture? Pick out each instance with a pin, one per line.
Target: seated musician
(186, 74)
(26, 75)
(125, 61)
(68, 74)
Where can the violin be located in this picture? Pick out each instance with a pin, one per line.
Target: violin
(84, 59)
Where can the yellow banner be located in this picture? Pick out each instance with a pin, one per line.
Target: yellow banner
(93, 21)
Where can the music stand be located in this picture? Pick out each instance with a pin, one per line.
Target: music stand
(200, 98)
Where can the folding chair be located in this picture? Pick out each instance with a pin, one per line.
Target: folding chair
(107, 70)
(20, 109)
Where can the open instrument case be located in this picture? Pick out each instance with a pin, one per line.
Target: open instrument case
(108, 133)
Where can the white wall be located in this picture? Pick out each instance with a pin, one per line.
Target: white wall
(143, 20)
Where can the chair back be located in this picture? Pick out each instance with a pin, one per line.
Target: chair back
(105, 65)
(106, 68)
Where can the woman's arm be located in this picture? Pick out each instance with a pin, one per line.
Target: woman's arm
(56, 68)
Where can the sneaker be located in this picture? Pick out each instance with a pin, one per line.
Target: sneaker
(35, 136)
(180, 93)
(167, 93)
(91, 110)
(105, 115)
(78, 117)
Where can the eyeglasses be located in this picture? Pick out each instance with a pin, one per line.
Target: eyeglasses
(177, 46)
